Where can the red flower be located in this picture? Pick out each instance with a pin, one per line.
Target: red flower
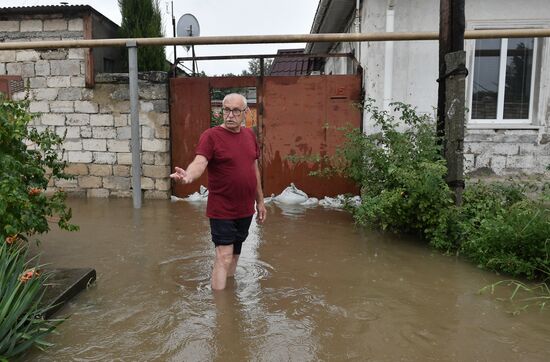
(11, 239)
(33, 191)
(28, 275)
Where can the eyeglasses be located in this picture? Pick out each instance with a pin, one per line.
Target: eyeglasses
(236, 112)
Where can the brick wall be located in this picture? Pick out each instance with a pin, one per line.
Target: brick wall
(96, 121)
(506, 152)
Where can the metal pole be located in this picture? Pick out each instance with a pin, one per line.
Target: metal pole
(193, 54)
(264, 56)
(174, 34)
(268, 39)
(134, 122)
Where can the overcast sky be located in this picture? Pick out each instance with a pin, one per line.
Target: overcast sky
(221, 17)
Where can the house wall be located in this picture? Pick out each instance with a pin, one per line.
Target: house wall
(96, 120)
(495, 149)
(102, 29)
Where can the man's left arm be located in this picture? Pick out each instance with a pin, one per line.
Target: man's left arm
(260, 206)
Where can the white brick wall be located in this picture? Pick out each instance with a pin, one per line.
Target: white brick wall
(9, 25)
(58, 81)
(506, 152)
(96, 121)
(72, 145)
(39, 107)
(118, 146)
(102, 120)
(76, 25)
(27, 56)
(31, 25)
(55, 24)
(7, 56)
(52, 119)
(85, 107)
(62, 106)
(94, 145)
(48, 94)
(80, 156)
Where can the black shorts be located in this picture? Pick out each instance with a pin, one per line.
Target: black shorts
(227, 232)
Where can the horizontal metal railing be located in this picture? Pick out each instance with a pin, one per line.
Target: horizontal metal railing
(265, 39)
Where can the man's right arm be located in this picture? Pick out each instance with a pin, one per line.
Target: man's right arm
(193, 172)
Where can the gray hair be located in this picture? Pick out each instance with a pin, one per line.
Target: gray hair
(243, 98)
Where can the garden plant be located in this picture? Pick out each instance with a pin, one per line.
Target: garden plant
(400, 172)
(29, 159)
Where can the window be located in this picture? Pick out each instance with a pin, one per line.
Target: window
(503, 74)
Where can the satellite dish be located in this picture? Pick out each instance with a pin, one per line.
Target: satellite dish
(188, 25)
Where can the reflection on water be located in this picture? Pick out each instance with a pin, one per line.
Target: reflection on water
(310, 286)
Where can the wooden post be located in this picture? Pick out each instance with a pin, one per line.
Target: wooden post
(451, 98)
(451, 39)
(454, 125)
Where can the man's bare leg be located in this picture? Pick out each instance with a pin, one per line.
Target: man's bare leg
(222, 263)
(233, 266)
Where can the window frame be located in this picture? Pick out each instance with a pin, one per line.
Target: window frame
(502, 85)
(539, 57)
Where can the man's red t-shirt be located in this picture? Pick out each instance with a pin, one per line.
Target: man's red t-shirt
(231, 171)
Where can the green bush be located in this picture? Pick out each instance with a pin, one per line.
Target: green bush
(25, 173)
(401, 175)
(28, 160)
(505, 231)
(400, 171)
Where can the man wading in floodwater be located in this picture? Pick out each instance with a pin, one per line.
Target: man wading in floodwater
(230, 153)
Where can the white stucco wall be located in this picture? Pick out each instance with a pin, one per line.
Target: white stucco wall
(415, 63)
(497, 148)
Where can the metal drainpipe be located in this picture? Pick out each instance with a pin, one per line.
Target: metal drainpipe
(358, 28)
(134, 121)
(388, 57)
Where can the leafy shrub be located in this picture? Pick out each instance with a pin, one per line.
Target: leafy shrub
(505, 231)
(400, 172)
(22, 325)
(28, 160)
(25, 173)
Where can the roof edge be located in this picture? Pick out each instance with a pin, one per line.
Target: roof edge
(52, 9)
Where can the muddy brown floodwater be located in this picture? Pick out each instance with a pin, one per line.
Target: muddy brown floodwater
(310, 287)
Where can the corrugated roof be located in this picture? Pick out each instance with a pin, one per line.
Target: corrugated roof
(290, 65)
(6, 13)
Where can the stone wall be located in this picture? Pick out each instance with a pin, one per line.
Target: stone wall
(96, 121)
(97, 144)
(507, 152)
(97, 129)
(45, 70)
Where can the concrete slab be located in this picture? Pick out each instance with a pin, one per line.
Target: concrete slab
(63, 285)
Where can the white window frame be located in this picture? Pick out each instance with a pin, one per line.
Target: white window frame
(535, 94)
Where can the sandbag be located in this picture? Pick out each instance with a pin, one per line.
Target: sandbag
(291, 196)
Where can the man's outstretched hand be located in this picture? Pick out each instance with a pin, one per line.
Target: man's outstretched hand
(181, 176)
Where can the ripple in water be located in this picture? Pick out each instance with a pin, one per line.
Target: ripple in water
(253, 269)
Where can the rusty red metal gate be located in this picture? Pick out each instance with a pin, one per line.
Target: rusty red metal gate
(299, 116)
